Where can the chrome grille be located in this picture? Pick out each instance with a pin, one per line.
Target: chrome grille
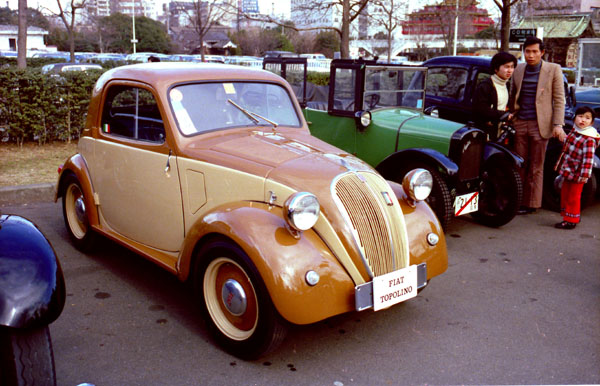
(361, 200)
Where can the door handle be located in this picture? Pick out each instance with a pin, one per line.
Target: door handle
(168, 166)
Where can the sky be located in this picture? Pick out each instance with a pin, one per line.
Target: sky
(266, 6)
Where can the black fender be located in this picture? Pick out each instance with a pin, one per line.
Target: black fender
(32, 286)
(432, 158)
(494, 150)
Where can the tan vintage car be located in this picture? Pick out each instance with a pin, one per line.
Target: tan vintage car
(210, 172)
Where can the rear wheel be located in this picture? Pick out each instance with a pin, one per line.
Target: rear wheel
(501, 195)
(27, 357)
(235, 302)
(76, 216)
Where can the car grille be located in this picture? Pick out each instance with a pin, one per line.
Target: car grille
(378, 228)
(471, 147)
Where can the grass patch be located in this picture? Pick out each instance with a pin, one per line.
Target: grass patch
(32, 164)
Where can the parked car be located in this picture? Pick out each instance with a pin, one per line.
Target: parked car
(589, 97)
(58, 68)
(375, 112)
(451, 85)
(32, 295)
(210, 172)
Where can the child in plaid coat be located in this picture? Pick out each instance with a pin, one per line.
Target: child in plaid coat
(575, 165)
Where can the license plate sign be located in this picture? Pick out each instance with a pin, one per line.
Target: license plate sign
(394, 287)
(466, 203)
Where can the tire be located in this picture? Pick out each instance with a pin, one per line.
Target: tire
(551, 195)
(27, 357)
(245, 330)
(501, 195)
(439, 199)
(75, 215)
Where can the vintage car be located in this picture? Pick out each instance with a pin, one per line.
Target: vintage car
(449, 94)
(375, 111)
(589, 97)
(32, 295)
(211, 172)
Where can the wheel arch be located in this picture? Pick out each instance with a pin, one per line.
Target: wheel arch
(432, 158)
(498, 153)
(281, 260)
(76, 167)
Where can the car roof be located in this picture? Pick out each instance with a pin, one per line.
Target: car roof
(462, 60)
(164, 74)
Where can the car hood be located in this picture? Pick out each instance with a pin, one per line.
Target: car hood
(417, 129)
(288, 156)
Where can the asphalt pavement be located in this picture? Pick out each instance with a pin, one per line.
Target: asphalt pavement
(518, 305)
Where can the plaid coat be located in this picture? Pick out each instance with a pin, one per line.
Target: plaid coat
(576, 161)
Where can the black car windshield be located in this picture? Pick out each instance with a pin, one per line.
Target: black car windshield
(202, 107)
(394, 87)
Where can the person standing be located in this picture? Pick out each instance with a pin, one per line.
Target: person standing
(490, 101)
(575, 165)
(538, 102)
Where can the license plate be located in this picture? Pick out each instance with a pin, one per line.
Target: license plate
(394, 287)
(466, 203)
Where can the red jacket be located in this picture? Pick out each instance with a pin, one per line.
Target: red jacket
(577, 159)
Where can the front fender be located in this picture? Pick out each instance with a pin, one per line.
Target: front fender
(281, 260)
(76, 165)
(494, 151)
(32, 287)
(434, 159)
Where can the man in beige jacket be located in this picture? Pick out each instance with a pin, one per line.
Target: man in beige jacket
(538, 102)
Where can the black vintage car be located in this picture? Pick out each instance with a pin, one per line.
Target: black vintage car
(451, 84)
(32, 295)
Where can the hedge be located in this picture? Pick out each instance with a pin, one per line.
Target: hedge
(44, 108)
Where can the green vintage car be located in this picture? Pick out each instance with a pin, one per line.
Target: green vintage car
(376, 112)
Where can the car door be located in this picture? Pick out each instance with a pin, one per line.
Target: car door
(134, 174)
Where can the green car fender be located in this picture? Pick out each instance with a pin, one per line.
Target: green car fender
(397, 162)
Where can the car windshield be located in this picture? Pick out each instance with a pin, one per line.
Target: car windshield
(394, 87)
(203, 107)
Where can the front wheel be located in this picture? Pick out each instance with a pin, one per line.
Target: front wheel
(235, 301)
(501, 195)
(27, 357)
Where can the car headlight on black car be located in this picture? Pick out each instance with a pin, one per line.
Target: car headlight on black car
(301, 211)
(418, 184)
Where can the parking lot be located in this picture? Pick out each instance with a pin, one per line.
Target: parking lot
(518, 305)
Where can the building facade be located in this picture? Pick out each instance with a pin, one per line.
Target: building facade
(439, 19)
(559, 7)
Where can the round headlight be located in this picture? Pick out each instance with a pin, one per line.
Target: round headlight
(417, 184)
(365, 118)
(301, 210)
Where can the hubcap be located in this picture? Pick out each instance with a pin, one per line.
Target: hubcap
(234, 297)
(80, 209)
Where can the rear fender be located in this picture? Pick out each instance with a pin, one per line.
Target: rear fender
(281, 260)
(32, 287)
(76, 166)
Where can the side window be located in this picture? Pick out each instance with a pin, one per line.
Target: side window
(132, 112)
(446, 82)
(345, 88)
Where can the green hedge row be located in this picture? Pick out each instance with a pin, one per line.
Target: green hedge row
(43, 108)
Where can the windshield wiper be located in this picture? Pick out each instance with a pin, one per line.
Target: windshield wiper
(252, 115)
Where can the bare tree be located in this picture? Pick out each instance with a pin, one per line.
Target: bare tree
(205, 15)
(504, 6)
(67, 15)
(386, 15)
(22, 35)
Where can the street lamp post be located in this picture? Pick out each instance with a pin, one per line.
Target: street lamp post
(134, 40)
(455, 28)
